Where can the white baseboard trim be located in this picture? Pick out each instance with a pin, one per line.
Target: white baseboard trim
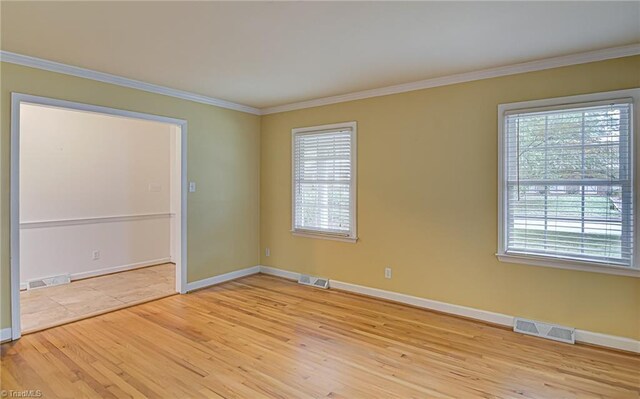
(109, 270)
(5, 335)
(115, 269)
(207, 282)
(587, 337)
(279, 272)
(608, 341)
(491, 317)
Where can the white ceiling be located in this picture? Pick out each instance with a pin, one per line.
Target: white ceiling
(273, 53)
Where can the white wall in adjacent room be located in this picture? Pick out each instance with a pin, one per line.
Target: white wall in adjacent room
(92, 182)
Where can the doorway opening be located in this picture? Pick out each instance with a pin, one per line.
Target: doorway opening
(98, 210)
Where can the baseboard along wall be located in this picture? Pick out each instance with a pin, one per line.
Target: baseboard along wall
(587, 337)
(5, 335)
(110, 270)
(207, 282)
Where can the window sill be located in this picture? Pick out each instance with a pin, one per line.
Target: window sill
(568, 264)
(321, 236)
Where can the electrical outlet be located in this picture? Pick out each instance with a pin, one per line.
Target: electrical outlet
(267, 252)
(387, 272)
(95, 255)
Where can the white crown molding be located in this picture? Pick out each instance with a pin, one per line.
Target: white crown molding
(39, 63)
(532, 66)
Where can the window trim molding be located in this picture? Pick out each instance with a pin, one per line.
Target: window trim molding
(353, 205)
(568, 264)
(560, 102)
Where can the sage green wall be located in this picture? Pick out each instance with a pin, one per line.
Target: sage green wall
(223, 158)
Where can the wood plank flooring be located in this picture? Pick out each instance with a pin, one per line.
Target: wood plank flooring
(52, 306)
(263, 336)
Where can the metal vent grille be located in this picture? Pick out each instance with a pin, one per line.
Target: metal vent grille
(321, 282)
(48, 282)
(545, 330)
(563, 334)
(304, 279)
(527, 326)
(313, 281)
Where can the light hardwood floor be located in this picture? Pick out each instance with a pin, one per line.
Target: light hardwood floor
(263, 336)
(51, 306)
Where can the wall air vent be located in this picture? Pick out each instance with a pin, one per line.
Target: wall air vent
(545, 330)
(49, 281)
(314, 281)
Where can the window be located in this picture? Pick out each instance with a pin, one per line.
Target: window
(324, 181)
(567, 182)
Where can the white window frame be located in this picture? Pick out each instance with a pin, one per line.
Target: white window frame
(352, 237)
(559, 103)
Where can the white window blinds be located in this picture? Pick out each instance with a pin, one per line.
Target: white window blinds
(569, 186)
(323, 181)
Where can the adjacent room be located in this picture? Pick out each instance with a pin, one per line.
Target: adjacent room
(98, 195)
(320, 199)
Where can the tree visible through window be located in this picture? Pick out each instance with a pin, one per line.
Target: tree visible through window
(569, 183)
